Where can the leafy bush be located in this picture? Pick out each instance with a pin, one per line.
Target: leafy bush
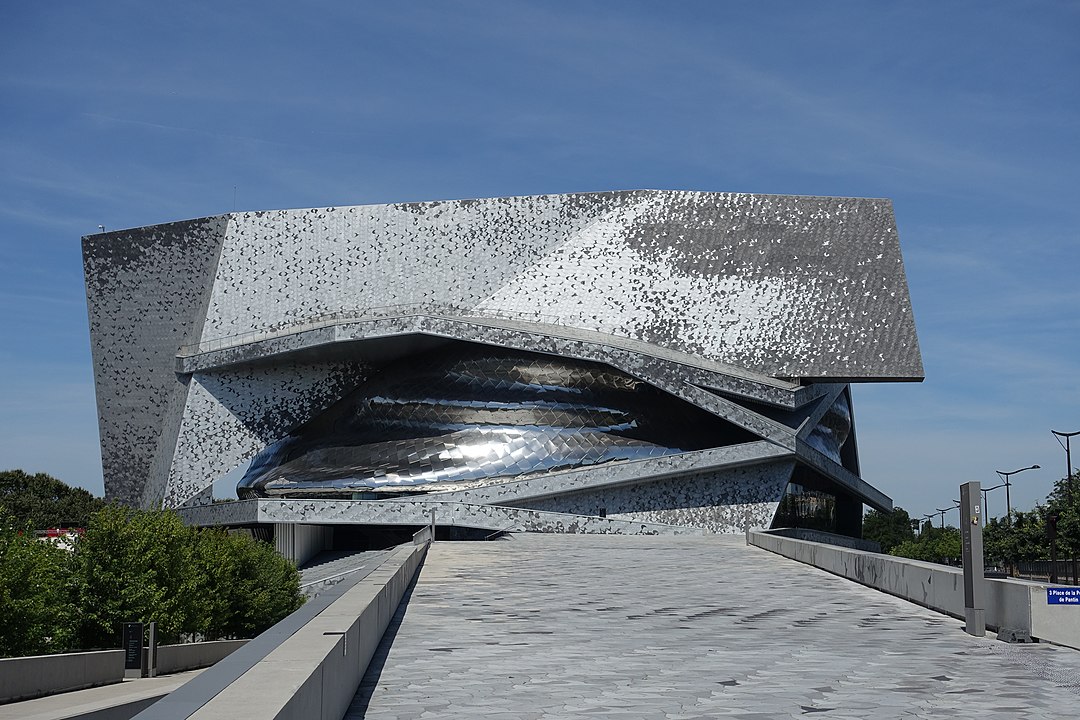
(939, 545)
(136, 565)
(147, 565)
(35, 604)
(248, 586)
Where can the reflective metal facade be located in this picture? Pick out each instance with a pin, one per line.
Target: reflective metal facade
(215, 339)
(479, 414)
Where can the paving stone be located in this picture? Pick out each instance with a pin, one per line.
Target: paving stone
(686, 627)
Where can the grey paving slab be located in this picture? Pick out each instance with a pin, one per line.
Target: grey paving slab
(131, 693)
(685, 627)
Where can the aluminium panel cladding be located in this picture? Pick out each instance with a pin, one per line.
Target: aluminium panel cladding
(783, 286)
(232, 414)
(723, 501)
(419, 512)
(146, 290)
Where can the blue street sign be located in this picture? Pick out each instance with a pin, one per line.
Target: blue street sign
(1063, 596)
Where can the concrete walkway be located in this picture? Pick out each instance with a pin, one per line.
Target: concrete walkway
(543, 626)
(123, 699)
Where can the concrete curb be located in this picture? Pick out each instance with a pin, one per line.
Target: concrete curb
(1010, 603)
(25, 678)
(314, 672)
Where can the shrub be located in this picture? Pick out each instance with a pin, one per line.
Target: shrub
(35, 603)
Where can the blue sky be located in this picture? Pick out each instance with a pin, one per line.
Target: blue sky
(965, 114)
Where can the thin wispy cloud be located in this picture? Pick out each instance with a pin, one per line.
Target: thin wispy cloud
(963, 114)
(218, 136)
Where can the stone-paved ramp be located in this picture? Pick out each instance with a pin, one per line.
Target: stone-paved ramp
(544, 626)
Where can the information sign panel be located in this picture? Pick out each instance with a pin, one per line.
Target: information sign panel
(133, 644)
(1063, 596)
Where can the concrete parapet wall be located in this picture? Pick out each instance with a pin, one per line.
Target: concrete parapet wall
(189, 656)
(1056, 623)
(1009, 603)
(314, 673)
(828, 538)
(24, 678)
(423, 535)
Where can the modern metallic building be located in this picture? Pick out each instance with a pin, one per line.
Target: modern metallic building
(651, 360)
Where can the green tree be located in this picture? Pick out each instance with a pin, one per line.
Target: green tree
(148, 566)
(272, 587)
(1020, 540)
(41, 501)
(247, 587)
(888, 529)
(35, 607)
(135, 566)
(1025, 537)
(1064, 501)
(939, 545)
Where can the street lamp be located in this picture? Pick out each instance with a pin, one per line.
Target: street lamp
(928, 516)
(1005, 476)
(956, 504)
(1068, 454)
(1069, 480)
(986, 513)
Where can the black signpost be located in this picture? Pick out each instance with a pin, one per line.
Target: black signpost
(133, 650)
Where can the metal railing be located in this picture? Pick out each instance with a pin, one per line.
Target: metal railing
(1040, 570)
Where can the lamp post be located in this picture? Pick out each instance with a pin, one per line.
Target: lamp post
(1068, 457)
(930, 517)
(1069, 481)
(1005, 476)
(956, 504)
(986, 513)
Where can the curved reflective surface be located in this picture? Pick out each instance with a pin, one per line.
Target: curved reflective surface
(833, 430)
(474, 414)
